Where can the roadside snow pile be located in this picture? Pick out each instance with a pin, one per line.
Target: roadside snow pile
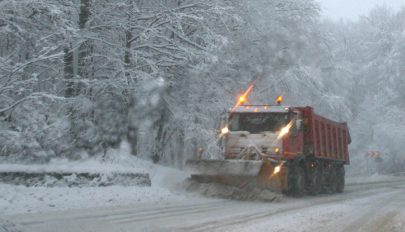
(20, 199)
(164, 187)
(116, 167)
(115, 160)
(234, 193)
(70, 179)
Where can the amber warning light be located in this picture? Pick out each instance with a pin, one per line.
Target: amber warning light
(242, 99)
(279, 100)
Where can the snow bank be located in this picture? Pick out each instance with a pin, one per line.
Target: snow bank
(166, 185)
(52, 179)
(116, 167)
(114, 161)
(21, 199)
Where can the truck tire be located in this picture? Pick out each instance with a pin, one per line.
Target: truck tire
(299, 184)
(333, 181)
(315, 182)
(340, 180)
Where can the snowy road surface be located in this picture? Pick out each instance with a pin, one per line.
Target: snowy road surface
(377, 207)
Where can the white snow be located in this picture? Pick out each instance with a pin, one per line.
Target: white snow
(166, 186)
(6, 226)
(115, 161)
(372, 179)
(20, 199)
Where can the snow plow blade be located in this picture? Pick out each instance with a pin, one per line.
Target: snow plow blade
(248, 174)
(224, 167)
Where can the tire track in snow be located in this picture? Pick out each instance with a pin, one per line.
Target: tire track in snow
(378, 217)
(149, 215)
(242, 219)
(167, 212)
(163, 214)
(127, 213)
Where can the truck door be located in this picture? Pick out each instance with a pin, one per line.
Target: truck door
(293, 142)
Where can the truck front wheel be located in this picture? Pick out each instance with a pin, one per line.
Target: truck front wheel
(299, 182)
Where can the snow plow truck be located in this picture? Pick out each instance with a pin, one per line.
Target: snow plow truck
(285, 149)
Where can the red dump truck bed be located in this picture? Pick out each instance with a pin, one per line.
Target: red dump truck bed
(326, 139)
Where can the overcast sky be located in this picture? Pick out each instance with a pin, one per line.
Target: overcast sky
(352, 9)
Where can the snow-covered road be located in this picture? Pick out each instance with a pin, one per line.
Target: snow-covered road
(376, 207)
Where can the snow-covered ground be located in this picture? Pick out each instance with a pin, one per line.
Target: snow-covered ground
(167, 185)
(115, 160)
(20, 199)
(166, 201)
(7, 226)
(375, 178)
(375, 208)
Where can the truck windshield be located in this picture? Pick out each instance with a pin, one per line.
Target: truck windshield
(258, 122)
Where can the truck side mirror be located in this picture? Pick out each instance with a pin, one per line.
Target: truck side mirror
(296, 128)
(298, 124)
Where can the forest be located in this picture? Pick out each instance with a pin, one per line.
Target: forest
(78, 77)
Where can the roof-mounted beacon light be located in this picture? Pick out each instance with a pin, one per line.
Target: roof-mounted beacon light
(242, 100)
(279, 100)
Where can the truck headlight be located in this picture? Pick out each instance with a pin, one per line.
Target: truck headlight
(277, 169)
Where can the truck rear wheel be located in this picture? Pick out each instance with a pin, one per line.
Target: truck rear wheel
(315, 182)
(333, 181)
(340, 180)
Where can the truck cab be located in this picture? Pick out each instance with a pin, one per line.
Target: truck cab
(258, 131)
